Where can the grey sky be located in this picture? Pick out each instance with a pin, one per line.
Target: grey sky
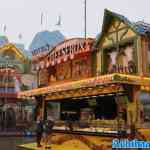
(23, 16)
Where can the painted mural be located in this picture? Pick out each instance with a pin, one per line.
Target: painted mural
(43, 77)
(121, 60)
(64, 71)
(81, 68)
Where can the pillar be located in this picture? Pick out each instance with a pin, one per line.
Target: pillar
(40, 106)
(133, 110)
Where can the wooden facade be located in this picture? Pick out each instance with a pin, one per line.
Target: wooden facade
(122, 46)
(68, 61)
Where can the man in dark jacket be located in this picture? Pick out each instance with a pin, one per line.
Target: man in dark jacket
(48, 126)
(39, 131)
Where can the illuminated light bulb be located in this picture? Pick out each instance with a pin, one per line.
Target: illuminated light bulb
(71, 56)
(143, 88)
(147, 88)
(37, 67)
(47, 64)
(58, 62)
(65, 59)
(53, 63)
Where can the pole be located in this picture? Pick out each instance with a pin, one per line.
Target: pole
(43, 107)
(5, 93)
(85, 18)
(42, 21)
(6, 82)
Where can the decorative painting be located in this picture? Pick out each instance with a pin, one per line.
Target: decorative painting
(43, 77)
(81, 68)
(64, 71)
(121, 61)
(52, 74)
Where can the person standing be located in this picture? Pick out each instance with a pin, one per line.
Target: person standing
(48, 126)
(39, 131)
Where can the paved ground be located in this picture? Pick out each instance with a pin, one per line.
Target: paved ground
(74, 145)
(67, 142)
(10, 143)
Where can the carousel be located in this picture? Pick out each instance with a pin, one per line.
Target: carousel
(92, 87)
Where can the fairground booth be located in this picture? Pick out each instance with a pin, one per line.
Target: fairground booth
(14, 67)
(93, 87)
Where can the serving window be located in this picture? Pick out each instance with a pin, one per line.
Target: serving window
(99, 114)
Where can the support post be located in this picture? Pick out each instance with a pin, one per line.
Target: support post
(134, 111)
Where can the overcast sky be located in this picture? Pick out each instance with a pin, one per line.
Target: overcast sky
(23, 16)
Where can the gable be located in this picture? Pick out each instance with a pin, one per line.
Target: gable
(116, 25)
(14, 53)
(122, 25)
(111, 29)
(129, 34)
(113, 22)
(116, 32)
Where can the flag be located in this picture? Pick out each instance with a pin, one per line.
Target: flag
(59, 21)
(20, 36)
(4, 28)
(41, 18)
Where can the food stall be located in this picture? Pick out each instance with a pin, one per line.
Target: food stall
(92, 88)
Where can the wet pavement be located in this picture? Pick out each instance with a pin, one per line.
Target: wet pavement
(10, 143)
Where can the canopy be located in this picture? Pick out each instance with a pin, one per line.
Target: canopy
(102, 80)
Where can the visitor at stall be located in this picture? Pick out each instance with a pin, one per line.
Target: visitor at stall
(39, 130)
(48, 126)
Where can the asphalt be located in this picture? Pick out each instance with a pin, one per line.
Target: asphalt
(11, 143)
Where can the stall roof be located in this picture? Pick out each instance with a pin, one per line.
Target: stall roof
(90, 82)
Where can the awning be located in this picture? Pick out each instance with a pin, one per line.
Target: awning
(87, 83)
